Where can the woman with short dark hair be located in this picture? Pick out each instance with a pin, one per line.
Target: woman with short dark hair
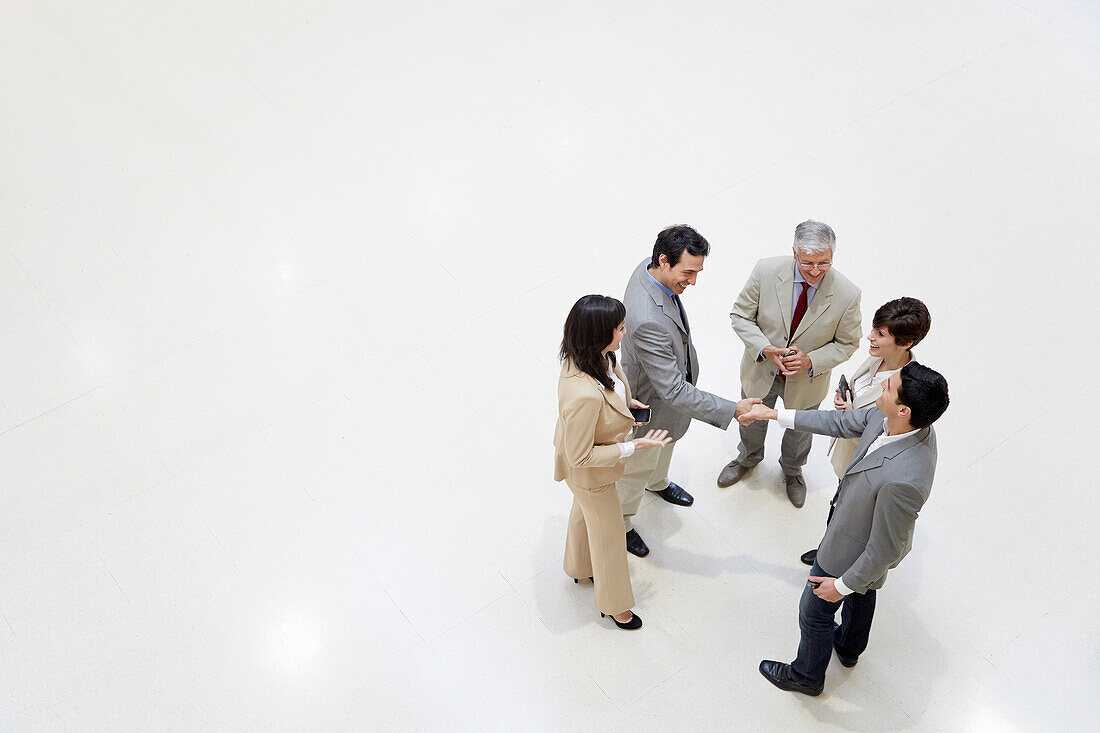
(897, 327)
(590, 447)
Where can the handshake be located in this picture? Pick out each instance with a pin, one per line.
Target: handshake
(751, 409)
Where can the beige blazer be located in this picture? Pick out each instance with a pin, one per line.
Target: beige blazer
(829, 332)
(843, 450)
(591, 422)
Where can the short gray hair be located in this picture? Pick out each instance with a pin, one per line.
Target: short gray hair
(814, 237)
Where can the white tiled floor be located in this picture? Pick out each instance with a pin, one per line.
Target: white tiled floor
(281, 286)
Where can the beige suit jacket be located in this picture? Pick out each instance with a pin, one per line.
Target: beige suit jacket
(843, 450)
(829, 332)
(591, 422)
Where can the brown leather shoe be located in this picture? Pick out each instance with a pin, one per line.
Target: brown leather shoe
(731, 474)
(796, 489)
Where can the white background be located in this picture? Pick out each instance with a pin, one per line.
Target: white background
(281, 287)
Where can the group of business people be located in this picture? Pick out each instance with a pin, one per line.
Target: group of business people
(798, 317)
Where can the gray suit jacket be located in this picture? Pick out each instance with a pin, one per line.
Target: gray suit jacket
(655, 353)
(875, 509)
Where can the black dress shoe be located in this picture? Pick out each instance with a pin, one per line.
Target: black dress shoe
(635, 622)
(779, 674)
(674, 494)
(844, 658)
(635, 545)
(808, 557)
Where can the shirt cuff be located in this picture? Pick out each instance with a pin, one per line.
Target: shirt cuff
(841, 588)
(785, 418)
(626, 449)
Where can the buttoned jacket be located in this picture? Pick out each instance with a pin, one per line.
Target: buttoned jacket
(656, 351)
(829, 331)
(874, 511)
(592, 421)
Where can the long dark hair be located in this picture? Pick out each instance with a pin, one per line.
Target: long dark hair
(589, 329)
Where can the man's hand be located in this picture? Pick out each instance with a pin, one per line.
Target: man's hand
(774, 354)
(759, 411)
(636, 405)
(827, 590)
(745, 405)
(795, 361)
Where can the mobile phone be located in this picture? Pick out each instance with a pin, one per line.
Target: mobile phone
(845, 390)
(641, 414)
(814, 583)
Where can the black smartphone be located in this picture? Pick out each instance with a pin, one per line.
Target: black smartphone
(845, 390)
(814, 583)
(641, 414)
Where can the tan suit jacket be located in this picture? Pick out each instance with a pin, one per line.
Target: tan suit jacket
(843, 450)
(829, 332)
(591, 422)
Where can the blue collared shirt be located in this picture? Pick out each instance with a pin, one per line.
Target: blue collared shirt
(671, 295)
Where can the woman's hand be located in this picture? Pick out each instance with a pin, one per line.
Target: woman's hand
(841, 404)
(652, 439)
(635, 405)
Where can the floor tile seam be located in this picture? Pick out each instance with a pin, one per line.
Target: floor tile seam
(1009, 437)
(598, 685)
(154, 362)
(707, 199)
(958, 68)
(438, 636)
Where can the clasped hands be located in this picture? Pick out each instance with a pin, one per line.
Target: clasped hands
(790, 360)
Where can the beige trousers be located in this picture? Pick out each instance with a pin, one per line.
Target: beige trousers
(595, 546)
(645, 469)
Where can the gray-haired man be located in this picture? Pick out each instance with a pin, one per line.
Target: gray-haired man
(798, 318)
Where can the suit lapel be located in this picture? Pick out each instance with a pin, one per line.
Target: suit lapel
(890, 451)
(872, 394)
(612, 397)
(661, 299)
(822, 301)
(784, 292)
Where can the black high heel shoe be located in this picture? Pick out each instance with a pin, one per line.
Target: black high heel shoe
(635, 621)
(578, 580)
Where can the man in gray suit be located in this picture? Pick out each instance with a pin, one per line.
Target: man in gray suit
(663, 368)
(871, 519)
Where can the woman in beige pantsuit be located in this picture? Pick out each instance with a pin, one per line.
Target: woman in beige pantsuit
(590, 447)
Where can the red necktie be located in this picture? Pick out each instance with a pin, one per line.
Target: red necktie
(799, 311)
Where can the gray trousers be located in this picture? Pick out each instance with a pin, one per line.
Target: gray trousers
(645, 469)
(796, 444)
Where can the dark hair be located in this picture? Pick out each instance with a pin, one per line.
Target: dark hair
(672, 242)
(907, 320)
(589, 329)
(924, 392)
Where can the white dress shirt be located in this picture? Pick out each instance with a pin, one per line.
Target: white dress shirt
(625, 449)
